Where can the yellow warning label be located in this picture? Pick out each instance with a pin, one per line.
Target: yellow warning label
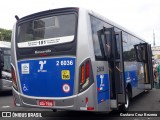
(65, 74)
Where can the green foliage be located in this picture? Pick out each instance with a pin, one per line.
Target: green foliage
(5, 35)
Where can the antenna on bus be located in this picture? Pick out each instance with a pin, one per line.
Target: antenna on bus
(17, 18)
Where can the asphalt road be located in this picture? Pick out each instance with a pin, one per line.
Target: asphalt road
(149, 101)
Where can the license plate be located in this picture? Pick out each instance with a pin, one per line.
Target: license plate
(46, 103)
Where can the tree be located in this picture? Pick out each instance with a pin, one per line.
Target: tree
(5, 35)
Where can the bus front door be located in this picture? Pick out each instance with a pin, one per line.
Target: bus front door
(116, 67)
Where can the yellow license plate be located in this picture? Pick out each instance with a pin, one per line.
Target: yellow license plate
(65, 74)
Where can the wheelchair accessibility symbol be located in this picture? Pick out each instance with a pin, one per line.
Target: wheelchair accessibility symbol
(24, 87)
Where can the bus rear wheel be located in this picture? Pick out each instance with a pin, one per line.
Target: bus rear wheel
(54, 110)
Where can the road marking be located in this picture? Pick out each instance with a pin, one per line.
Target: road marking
(5, 106)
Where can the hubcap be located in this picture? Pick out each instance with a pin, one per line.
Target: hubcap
(127, 102)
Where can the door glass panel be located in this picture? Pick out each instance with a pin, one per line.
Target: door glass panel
(119, 78)
(117, 47)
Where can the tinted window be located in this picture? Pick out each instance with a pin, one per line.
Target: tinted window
(46, 28)
(129, 52)
(96, 26)
(128, 48)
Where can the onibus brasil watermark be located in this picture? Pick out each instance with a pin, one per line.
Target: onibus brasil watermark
(21, 114)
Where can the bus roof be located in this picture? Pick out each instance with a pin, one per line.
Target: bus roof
(50, 11)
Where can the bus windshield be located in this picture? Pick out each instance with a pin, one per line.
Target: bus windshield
(48, 30)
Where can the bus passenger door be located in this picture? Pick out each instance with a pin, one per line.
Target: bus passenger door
(119, 69)
(144, 55)
(116, 66)
(102, 76)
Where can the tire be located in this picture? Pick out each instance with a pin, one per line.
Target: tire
(54, 110)
(146, 91)
(125, 107)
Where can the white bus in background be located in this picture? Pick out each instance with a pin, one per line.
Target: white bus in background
(5, 80)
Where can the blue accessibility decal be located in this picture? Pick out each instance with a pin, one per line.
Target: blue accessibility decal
(103, 92)
(102, 82)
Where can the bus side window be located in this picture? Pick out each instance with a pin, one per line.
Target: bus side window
(96, 26)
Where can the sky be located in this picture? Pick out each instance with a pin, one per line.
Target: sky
(142, 17)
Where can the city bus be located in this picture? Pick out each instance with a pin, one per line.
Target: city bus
(75, 59)
(5, 67)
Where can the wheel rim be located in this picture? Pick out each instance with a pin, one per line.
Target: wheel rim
(127, 102)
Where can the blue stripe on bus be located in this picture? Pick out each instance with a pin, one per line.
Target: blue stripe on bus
(103, 96)
(52, 77)
(131, 77)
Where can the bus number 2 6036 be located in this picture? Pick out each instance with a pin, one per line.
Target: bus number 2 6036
(64, 62)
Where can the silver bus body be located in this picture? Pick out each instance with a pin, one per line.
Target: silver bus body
(97, 92)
